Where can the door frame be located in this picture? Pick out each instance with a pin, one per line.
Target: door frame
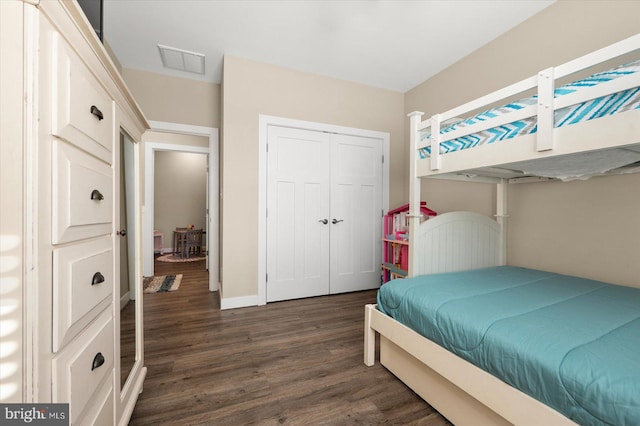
(130, 169)
(264, 121)
(148, 209)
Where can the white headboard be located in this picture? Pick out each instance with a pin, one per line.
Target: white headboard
(456, 241)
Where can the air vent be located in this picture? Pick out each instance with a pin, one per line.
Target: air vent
(182, 60)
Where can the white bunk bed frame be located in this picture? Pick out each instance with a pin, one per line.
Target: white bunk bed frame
(462, 392)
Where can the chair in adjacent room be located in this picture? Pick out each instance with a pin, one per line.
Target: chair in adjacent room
(192, 243)
(179, 239)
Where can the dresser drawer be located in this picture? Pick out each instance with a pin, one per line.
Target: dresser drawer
(82, 110)
(99, 411)
(82, 287)
(82, 195)
(84, 365)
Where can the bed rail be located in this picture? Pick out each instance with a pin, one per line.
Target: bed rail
(544, 84)
(429, 370)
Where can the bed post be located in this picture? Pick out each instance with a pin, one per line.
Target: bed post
(501, 218)
(436, 161)
(414, 185)
(369, 337)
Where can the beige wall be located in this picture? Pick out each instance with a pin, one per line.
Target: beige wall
(173, 99)
(251, 88)
(584, 228)
(449, 196)
(548, 228)
(167, 138)
(179, 192)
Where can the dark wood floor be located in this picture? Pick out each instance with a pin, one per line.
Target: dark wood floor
(296, 362)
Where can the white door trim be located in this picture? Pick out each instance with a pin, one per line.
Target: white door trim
(264, 122)
(148, 209)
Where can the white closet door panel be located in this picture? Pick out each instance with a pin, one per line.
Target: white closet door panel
(297, 202)
(342, 233)
(356, 206)
(76, 213)
(285, 231)
(315, 235)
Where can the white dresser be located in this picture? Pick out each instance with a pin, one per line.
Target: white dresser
(70, 106)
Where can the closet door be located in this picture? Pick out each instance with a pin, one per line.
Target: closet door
(297, 208)
(356, 213)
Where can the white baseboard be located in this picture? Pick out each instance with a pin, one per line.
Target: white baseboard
(238, 302)
(124, 300)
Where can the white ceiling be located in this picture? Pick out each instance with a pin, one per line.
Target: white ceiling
(388, 44)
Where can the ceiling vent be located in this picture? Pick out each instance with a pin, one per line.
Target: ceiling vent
(182, 60)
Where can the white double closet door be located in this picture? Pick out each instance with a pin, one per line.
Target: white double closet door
(324, 213)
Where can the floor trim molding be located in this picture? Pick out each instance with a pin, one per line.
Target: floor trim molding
(238, 302)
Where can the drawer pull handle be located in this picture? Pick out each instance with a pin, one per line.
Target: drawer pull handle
(95, 111)
(97, 278)
(98, 360)
(96, 195)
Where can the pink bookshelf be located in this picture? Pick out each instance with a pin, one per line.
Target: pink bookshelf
(395, 241)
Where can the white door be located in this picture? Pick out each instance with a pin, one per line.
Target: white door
(324, 213)
(356, 213)
(297, 213)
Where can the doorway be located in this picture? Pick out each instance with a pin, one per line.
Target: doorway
(337, 173)
(170, 137)
(180, 201)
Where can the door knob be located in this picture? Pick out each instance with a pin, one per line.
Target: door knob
(324, 221)
(122, 232)
(334, 221)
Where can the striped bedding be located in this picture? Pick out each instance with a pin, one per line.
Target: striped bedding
(596, 108)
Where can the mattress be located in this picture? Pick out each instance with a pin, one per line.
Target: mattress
(593, 109)
(569, 342)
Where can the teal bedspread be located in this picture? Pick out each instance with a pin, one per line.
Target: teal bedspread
(569, 342)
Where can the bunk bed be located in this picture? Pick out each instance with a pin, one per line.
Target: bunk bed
(586, 128)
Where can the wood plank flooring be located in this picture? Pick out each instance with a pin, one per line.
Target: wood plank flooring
(295, 363)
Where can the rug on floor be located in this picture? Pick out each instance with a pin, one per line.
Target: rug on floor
(161, 283)
(173, 258)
